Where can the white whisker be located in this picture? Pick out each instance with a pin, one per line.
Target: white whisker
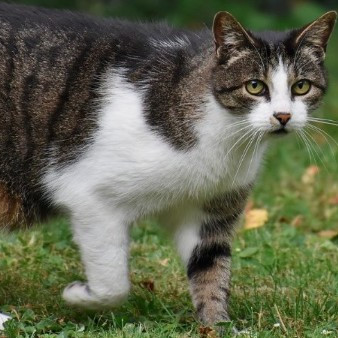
(324, 121)
(236, 143)
(253, 135)
(258, 141)
(324, 134)
(313, 145)
(301, 136)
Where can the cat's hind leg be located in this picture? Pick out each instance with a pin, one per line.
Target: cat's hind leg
(103, 240)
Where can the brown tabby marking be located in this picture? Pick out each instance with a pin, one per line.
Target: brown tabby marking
(11, 210)
(178, 98)
(210, 291)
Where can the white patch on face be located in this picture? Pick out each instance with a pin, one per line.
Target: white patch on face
(262, 116)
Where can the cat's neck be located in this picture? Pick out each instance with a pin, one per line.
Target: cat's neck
(229, 152)
(175, 87)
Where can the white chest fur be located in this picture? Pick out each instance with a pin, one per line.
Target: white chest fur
(128, 164)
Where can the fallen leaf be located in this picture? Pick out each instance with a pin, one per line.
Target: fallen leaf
(297, 221)
(164, 262)
(333, 200)
(309, 174)
(327, 233)
(149, 285)
(207, 332)
(255, 218)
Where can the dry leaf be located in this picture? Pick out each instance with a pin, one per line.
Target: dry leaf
(327, 233)
(309, 174)
(255, 218)
(207, 332)
(149, 285)
(164, 262)
(333, 200)
(297, 221)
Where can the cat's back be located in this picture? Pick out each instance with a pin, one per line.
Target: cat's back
(18, 17)
(127, 37)
(50, 66)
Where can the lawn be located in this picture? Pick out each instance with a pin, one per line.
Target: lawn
(285, 273)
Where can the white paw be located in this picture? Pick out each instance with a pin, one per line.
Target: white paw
(3, 319)
(80, 294)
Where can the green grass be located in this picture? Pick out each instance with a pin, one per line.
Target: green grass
(276, 268)
(279, 268)
(283, 271)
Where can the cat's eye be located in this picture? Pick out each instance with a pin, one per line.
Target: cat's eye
(255, 87)
(301, 87)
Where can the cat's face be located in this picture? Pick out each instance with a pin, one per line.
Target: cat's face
(274, 79)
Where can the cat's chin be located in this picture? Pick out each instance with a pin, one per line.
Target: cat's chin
(280, 132)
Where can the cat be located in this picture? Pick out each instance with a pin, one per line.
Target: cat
(115, 121)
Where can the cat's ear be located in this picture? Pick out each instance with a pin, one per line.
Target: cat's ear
(229, 34)
(318, 32)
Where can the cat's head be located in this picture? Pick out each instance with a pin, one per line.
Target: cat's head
(275, 79)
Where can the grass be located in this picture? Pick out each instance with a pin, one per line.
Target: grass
(281, 273)
(285, 274)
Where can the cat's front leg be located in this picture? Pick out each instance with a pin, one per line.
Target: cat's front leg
(103, 240)
(209, 275)
(205, 245)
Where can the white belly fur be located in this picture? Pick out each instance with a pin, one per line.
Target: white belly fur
(130, 166)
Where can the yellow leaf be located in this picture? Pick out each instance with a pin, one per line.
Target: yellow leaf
(255, 218)
(164, 262)
(327, 233)
(309, 174)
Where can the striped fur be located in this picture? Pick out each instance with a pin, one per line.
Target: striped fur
(210, 262)
(115, 121)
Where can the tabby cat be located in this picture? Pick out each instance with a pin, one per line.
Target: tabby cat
(115, 121)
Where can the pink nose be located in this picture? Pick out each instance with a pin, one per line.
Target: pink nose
(283, 118)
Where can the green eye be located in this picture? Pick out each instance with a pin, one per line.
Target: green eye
(301, 87)
(255, 87)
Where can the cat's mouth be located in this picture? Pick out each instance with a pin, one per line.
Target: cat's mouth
(281, 131)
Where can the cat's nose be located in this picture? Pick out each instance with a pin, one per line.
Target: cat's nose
(283, 118)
